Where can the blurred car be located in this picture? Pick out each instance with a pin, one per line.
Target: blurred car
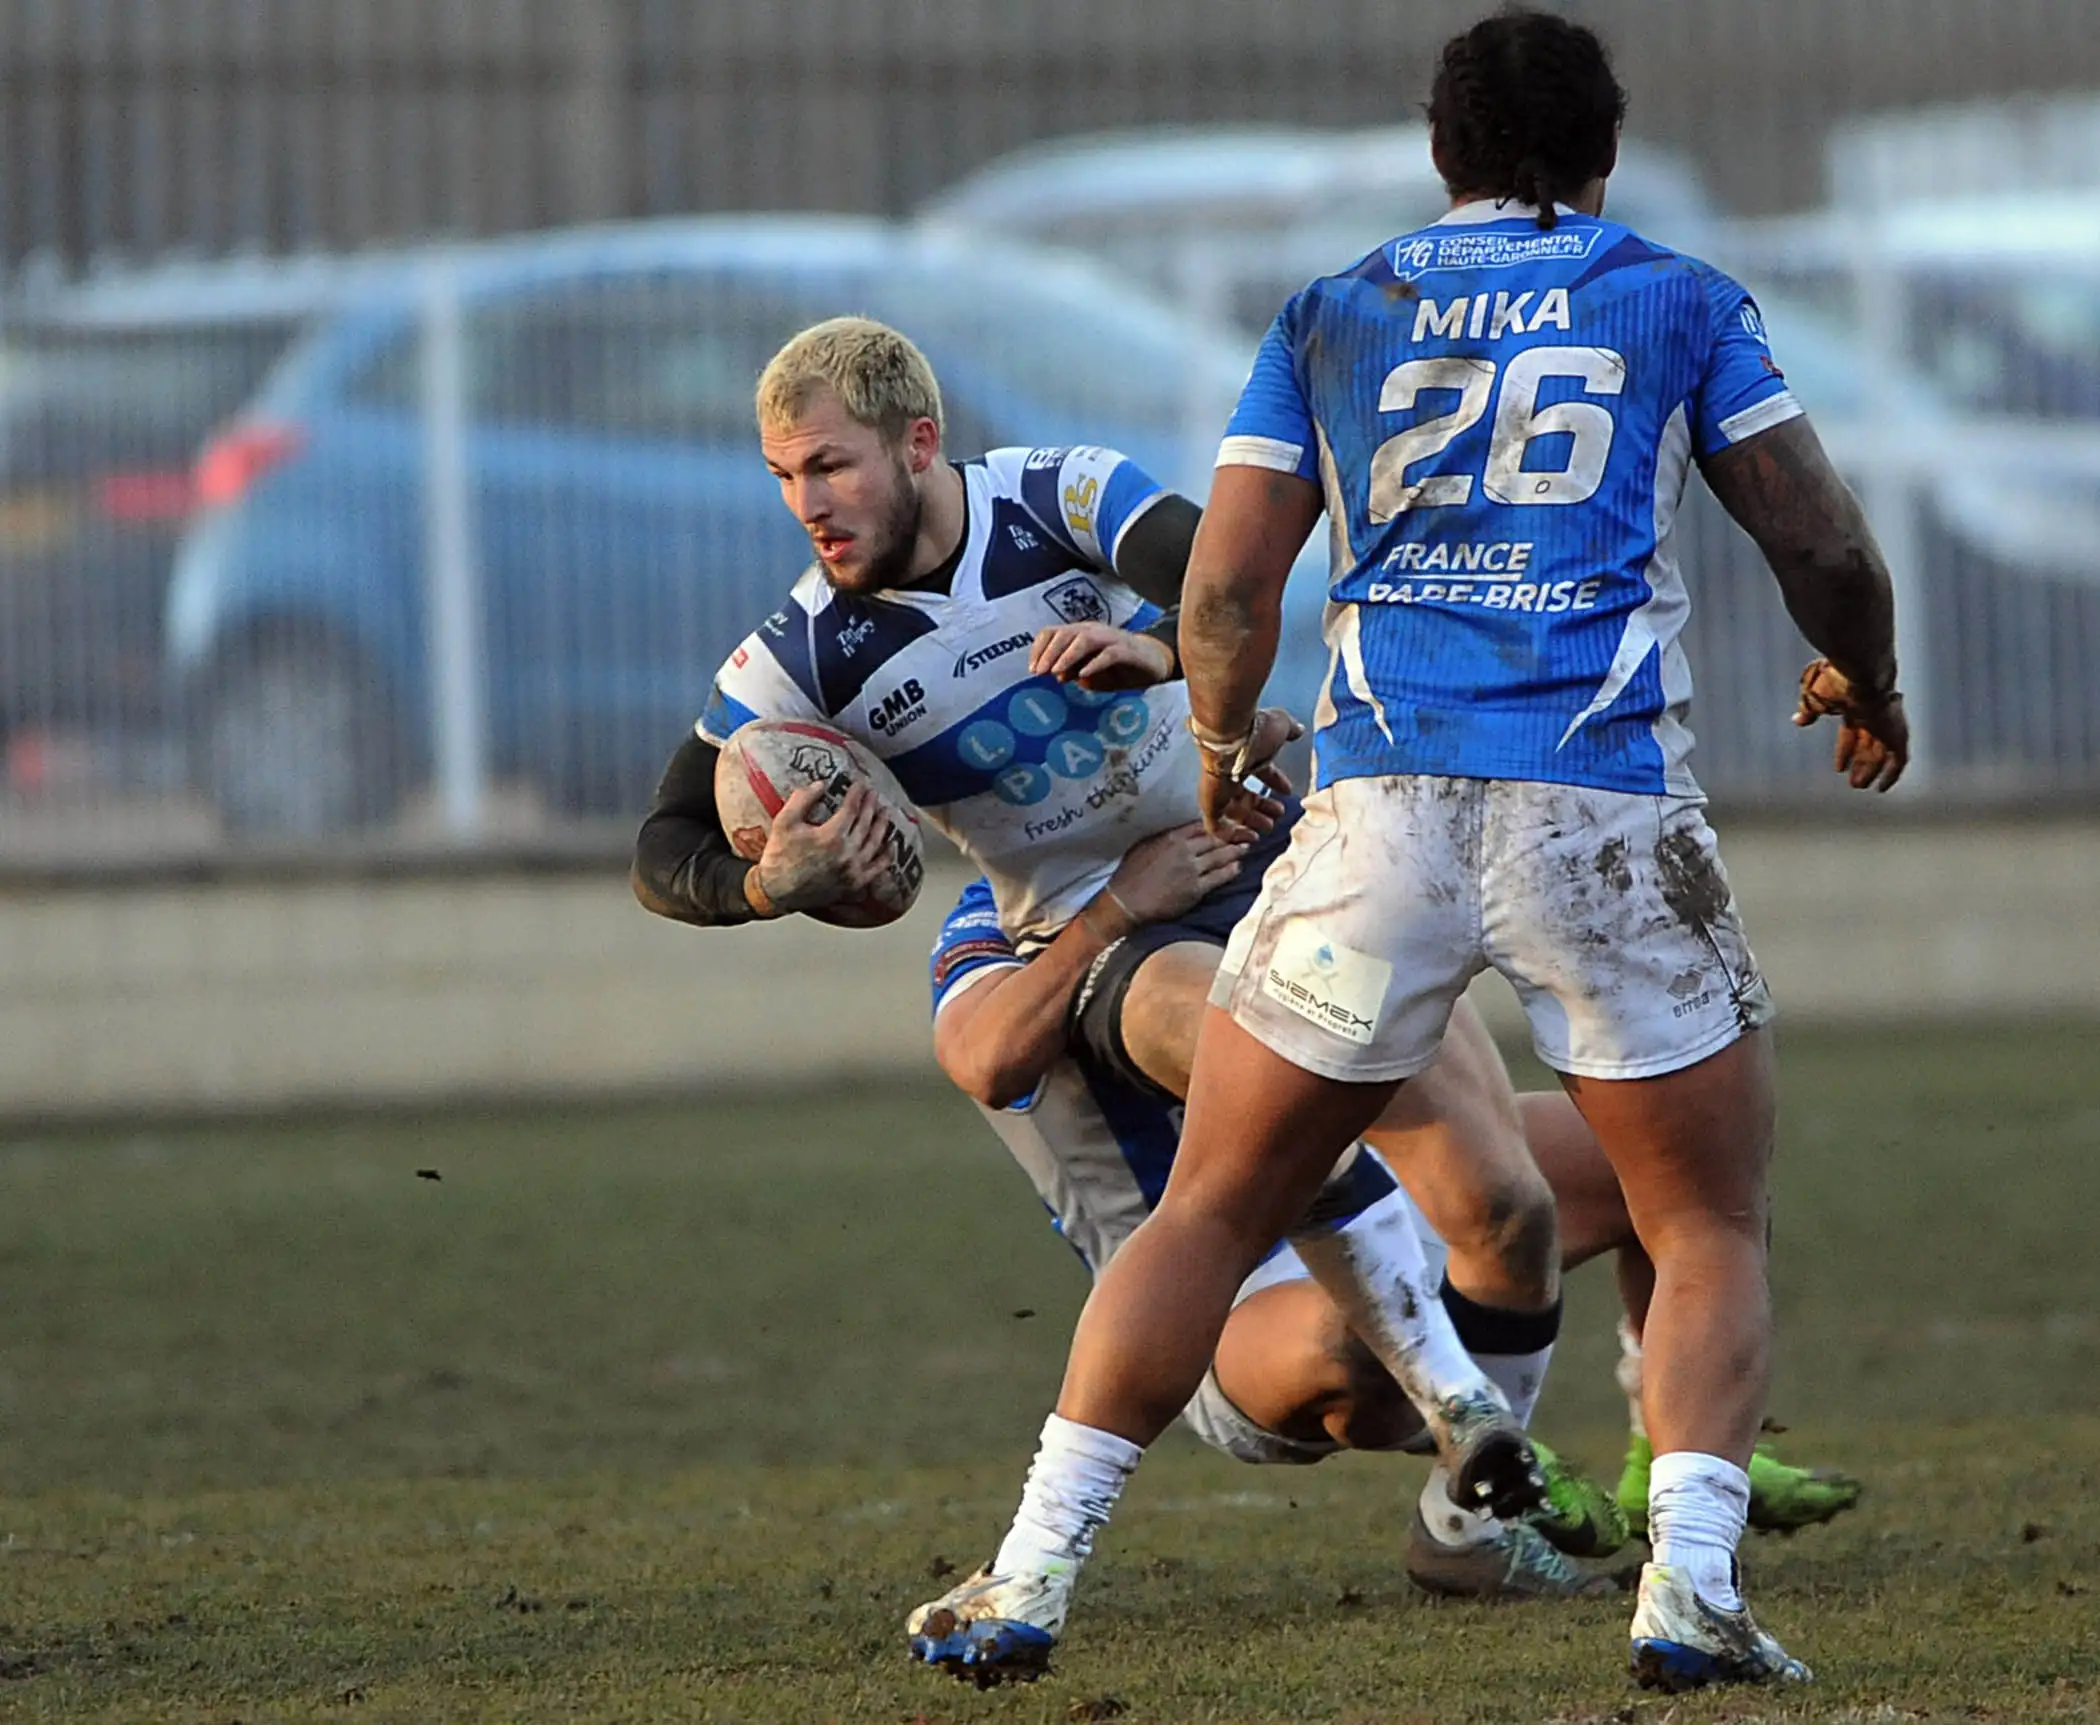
(626, 529)
(1241, 217)
(107, 390)
(1996, 301)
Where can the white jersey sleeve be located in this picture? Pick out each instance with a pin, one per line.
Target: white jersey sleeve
(760, 681)
(1085, 498)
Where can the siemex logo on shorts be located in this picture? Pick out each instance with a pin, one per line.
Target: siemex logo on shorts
(1327, 983)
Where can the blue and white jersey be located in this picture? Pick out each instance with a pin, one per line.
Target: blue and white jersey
(1096, 1150)
(1042, 785)
(1501, 418)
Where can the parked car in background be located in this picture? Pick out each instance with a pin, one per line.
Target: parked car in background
(626, 530)
(107, 390)
(1996, 301)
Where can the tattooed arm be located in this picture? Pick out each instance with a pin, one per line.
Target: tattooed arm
(1782, 490)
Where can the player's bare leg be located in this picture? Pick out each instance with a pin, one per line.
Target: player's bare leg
(1453, 1133)
(1784, 1497)
(1261, 1138)
(1692, 1149)
(1455, 1139)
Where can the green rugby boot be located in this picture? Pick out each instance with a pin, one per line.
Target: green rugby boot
(1783, 1498)
(1579, 1516)
(1633, 1484)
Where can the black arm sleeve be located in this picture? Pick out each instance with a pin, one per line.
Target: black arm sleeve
(1167, 631)
(1154, 555)
(684, 867)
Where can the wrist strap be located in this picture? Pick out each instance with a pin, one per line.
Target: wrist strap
(1224, 757)
(1108, 937)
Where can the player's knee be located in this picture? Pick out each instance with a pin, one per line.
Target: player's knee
(1517, 1227)
(1371, 1413)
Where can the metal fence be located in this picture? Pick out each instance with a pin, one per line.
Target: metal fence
(309, 542)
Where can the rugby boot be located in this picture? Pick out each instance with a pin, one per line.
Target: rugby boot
(1681, 1642)
(1579, 1516)
(1783, 1498)
(992, 1629)
(1632, 1491)
(1514, 1563)
(1493, 1466)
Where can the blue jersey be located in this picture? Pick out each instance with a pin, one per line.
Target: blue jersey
(1501, 418)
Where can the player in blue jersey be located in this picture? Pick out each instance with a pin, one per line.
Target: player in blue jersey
(1497, 414)
(944, 625)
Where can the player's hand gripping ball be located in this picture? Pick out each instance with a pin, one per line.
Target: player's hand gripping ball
(832, 830)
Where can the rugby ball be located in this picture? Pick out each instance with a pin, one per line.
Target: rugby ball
(768, 760)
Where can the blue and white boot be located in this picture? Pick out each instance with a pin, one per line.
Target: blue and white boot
(992, 1629)
(1681, 1642)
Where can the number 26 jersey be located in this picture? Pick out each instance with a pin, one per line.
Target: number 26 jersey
(1501, 418)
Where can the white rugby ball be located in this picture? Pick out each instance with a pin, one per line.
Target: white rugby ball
(768, 760)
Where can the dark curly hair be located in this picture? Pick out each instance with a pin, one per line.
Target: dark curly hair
(1525, 106)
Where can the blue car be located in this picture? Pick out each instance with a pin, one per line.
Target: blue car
(625, 529)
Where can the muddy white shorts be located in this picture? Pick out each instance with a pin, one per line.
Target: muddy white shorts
(1607, 911)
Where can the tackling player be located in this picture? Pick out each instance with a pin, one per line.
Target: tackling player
(1498, 413)
(920, 631)
(1289, 1382)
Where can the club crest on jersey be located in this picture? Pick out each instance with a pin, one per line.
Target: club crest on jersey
(1077, 601)
(855, 634)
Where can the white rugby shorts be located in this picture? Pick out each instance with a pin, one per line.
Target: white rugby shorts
(1608, 912)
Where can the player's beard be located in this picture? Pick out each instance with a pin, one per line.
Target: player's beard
(891, 548)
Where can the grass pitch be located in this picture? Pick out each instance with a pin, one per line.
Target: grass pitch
(672, 1413)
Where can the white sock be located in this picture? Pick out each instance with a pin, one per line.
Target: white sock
(1072, 1488)
(1448, 1521)
(1519, 1377)
(1628, 1372)
(1696, 1508)
(1513, 1348)
(1373, 1268)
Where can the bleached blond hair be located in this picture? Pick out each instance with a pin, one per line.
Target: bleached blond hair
(880, 378)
